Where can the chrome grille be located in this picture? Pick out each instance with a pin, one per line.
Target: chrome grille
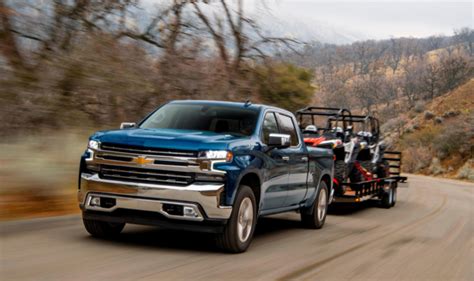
(147, 150)
(146, 175)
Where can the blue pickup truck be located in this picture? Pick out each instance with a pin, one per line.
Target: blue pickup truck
(204, 166)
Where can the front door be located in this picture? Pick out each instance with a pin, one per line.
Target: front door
(275, 188)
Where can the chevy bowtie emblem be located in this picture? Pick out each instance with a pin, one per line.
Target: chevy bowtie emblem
(142, 160)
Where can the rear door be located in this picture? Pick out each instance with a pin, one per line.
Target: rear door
(297, 161)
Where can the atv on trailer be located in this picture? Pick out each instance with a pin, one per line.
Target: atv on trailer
(360, 155)
(331, 128)
(369, 161)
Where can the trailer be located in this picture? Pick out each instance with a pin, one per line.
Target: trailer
(382, 189)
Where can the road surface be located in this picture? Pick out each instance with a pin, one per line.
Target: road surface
(428, 235)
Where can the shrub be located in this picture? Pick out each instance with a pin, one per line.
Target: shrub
(392, 125)
(466, 171)
(416, 159)
(423, 137)
(438, 120)
(450, 140)
(451, 113)
(435, 167)
(419, 107)
(285, 86)
(429, 115)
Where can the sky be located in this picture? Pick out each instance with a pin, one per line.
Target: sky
(379, 19)
(342, 21)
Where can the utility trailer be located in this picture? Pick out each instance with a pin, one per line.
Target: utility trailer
(383, 189)
(367, 171)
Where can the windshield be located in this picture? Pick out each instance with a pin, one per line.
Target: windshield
(203, 117)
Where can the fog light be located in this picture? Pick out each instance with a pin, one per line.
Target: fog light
(95, 201)
(189, 212)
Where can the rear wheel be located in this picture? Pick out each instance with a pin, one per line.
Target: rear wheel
(103, 229)
(387, 199)
(394, 196)
(239, 230)
(316, 216)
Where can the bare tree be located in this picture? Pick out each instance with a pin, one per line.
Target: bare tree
(465, 36)
(430, 78)
(395, 54)
(410, 83)
(454, 70)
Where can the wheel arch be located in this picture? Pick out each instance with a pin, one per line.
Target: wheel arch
(253, 180)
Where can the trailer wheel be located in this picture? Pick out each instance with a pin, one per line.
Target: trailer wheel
(315, 216)
(394, 196)
(387, 199)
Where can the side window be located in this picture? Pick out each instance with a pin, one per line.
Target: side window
(288, 127)
(269, 126)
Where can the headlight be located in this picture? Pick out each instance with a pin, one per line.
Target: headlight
(93, 144)
(216, 155)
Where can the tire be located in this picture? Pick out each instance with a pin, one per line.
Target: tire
(340, 176)
(368, 165)
(315, 216)
(383, 169)
(102, 229)
(239, 230)
(394, 196)
(387, 199)
(356, 175)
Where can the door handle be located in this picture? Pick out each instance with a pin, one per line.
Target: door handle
(304, 158)
(285, 158)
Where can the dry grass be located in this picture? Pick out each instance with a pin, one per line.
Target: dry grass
(451, 141)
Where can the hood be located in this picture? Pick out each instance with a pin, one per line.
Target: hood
(167, 138)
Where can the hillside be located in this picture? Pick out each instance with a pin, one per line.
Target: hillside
(437, 138)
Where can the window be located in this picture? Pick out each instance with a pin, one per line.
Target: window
(220, 119)
(288, 127)
(270, 126)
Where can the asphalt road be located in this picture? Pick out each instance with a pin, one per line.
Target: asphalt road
(428, 235)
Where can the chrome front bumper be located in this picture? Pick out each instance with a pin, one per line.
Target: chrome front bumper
(204, 199)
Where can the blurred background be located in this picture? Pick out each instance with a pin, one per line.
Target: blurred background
(71, 67)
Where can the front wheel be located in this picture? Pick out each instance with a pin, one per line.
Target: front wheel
(316, 216)
(239, 230)
(102, 229)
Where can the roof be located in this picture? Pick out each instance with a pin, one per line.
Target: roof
(226, 103)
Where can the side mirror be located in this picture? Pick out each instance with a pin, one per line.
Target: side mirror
(127, 125)
(279, 140)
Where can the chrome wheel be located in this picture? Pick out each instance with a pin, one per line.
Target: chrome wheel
(245, 219)
(322, 204)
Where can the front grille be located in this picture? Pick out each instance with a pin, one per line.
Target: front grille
(141, 175)
(147, 150)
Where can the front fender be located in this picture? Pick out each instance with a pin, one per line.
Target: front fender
(241, 166)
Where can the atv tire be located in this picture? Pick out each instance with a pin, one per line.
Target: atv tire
(339, 176)
(367, 165)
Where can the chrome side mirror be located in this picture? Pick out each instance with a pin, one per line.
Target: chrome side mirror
(279, 140)
(127, 125)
